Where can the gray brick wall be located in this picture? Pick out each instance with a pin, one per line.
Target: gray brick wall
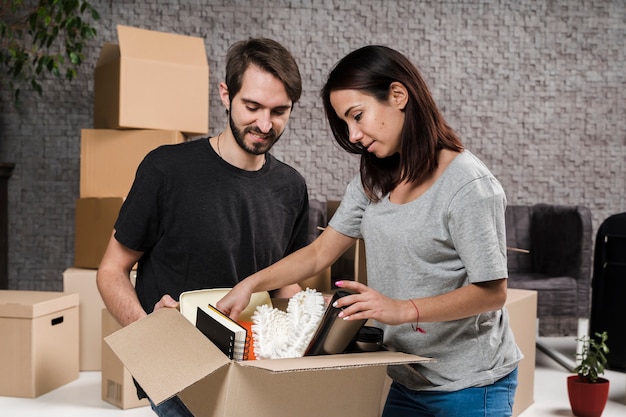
(536, 89)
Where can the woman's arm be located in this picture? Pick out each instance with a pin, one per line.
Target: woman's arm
(304, 263)
(463, 302)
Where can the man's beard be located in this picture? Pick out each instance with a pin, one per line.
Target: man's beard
(256, 148)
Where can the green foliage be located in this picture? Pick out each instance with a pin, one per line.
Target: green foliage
(592, 357)
(44, 36)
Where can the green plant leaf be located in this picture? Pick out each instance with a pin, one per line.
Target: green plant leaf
(35, 38)
(592, 357)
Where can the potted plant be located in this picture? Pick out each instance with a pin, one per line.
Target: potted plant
(588, 391)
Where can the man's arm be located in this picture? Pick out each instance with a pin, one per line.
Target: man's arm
(113, 279)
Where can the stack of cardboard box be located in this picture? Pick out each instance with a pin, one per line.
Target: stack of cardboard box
(150, 89)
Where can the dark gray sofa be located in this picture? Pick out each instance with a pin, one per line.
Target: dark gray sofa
(558, 264)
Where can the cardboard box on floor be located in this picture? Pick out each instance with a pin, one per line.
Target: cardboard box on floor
(95, 218)
(188, 364)
(118, 387)
(39, 348)
(152, 80)
(83, 282)
(109, 158)
(522, 306)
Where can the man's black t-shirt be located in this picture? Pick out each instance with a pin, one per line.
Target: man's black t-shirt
(203, 223)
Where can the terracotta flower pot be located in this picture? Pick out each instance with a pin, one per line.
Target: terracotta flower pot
(587, 399)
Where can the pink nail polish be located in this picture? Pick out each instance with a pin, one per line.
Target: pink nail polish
(339, 283)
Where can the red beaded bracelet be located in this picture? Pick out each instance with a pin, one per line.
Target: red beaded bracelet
(416, 327)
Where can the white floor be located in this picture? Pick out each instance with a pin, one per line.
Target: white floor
(81, 398)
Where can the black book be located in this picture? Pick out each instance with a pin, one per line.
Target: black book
(228, 335)
(333, 334)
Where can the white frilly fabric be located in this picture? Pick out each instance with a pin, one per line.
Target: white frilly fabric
(279, 334)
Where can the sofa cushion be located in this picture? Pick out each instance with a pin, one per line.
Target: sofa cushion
(556, 239)
(556, 295)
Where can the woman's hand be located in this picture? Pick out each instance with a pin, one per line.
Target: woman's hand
(370, 304)
(237, 299)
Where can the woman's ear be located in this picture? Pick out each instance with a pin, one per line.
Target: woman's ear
(398, 95)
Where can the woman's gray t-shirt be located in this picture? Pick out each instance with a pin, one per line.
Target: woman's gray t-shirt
(449, 237)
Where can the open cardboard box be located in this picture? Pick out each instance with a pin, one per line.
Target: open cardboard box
(167, 355)
(152, 80)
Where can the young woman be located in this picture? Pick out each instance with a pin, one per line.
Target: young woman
(432, 219)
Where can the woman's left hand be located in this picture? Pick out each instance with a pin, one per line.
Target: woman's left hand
(367, 303)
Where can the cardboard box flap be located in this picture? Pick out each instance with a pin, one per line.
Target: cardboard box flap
(109, 53)
(32, 304)
(347, 360)
(162, 47)
(165, 353)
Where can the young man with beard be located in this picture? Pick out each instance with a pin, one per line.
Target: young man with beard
(207, 213)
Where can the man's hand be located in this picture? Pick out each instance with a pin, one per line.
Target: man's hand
(166, 301)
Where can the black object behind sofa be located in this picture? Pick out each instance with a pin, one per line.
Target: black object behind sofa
(609, 288)
(558, 265)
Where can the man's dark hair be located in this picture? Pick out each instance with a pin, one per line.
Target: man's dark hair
(269, 56)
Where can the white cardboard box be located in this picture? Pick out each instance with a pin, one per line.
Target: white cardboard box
(38, 342)
(83, 282)
(210, 384)
(152, 80)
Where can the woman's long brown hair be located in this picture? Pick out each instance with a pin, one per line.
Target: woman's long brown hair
(371, 70)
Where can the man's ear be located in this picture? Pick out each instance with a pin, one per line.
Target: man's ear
(224, 96)
(398, 95)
